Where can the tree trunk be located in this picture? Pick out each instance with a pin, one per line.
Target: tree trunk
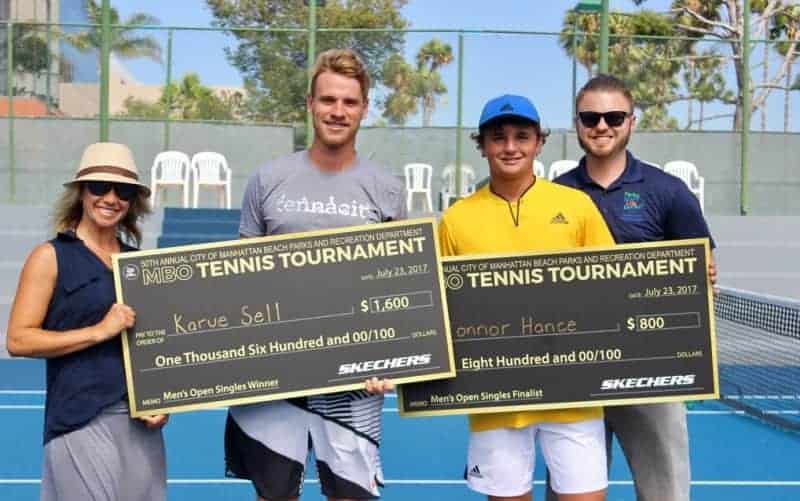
(787, 100)
(689, 111)
(702, 114)
(427, 113)
(765, 76)
(741, 74)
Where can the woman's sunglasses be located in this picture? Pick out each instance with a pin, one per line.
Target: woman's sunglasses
(124, 191)
(612, 118)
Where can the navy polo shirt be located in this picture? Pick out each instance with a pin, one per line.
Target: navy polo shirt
(644, 204)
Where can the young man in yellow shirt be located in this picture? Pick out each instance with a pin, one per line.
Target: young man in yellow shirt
(518, 212)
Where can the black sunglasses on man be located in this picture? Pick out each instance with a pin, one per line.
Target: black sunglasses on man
(612, 118)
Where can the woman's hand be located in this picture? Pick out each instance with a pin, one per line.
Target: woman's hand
(154, 422)
(118, 318)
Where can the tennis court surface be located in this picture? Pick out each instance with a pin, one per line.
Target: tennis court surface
(745, 447)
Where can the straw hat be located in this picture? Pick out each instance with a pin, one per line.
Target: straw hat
(108, 162)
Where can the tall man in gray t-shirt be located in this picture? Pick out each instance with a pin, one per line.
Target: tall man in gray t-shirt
(327, 186)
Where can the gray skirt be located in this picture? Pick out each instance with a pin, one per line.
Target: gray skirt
(113, 458)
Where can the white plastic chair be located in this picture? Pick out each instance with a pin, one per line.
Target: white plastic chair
(539, 169)
(448, 190)
(210, 169)
(559, 167)
(418, 180)
(170, 169)
(688, 173)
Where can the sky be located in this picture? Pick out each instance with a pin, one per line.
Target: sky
(534, 66)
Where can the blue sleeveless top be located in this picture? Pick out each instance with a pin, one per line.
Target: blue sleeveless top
(81, 384)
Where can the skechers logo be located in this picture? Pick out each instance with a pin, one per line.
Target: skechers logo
(385, 363)
(559, 219)
(647, 382)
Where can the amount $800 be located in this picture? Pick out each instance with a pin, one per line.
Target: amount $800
(645, 323)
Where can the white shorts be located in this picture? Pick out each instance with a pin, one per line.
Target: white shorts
(500, 462)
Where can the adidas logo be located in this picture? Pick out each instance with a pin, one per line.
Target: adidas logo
(475, 472)
(559, 219)
(507, 107)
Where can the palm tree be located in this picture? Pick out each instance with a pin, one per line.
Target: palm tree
(398, 75)
(125, 42)
(411, 86)
(434, 54)
(584, 49)
(431, 56)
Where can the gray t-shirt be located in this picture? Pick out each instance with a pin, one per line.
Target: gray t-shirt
(290, 194)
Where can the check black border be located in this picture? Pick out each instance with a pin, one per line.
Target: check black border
(466, 409)
(446, 372)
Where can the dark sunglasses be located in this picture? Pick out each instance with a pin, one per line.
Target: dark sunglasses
(612, 118)
(124, 191)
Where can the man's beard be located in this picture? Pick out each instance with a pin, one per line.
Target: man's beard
(621, 146)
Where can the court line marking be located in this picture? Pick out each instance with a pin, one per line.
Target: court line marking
(394, 395)
(393, 410)
(761, 397)
(207, 481)
(741, 413)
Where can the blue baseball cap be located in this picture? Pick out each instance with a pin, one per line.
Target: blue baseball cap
(509, 106)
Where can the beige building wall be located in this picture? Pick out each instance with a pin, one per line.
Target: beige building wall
(83, 99)
(34, 10)
(79, 99)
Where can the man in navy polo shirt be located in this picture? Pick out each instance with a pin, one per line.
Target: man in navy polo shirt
(640, 203)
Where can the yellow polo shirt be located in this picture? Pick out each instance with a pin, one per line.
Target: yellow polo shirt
(550, 217)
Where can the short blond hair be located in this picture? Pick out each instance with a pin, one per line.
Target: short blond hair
(343, 62)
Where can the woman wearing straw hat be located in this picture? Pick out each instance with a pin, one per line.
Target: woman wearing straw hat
(64, 311)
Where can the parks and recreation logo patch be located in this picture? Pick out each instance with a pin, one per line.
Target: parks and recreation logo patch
(130, 272)
(632, 201)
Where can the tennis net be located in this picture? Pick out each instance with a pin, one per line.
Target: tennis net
(758, 345)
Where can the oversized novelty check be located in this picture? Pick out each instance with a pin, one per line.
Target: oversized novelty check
(276, 317)
(631, 324)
